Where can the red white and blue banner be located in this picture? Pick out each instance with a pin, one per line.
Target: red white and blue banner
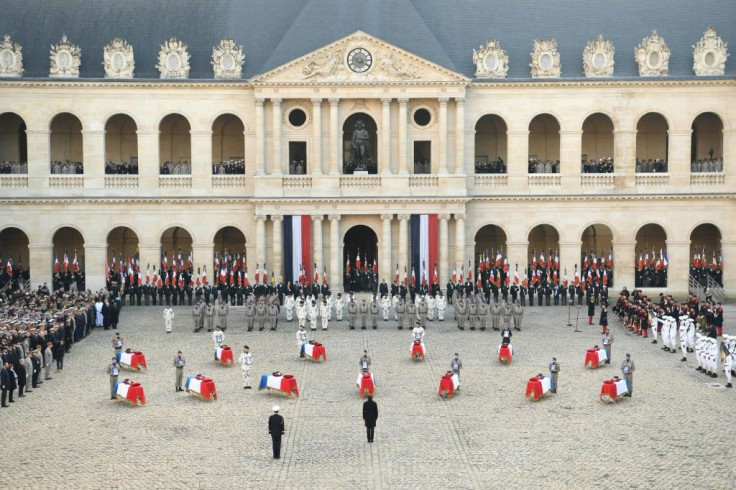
(297, 248)
(423, 245)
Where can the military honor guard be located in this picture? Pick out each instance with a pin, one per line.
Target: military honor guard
(246, 363)
(554, 370)
(179, 364)
(168, 318)
(113, 371)
(627, 368)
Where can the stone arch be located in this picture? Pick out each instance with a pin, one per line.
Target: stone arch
(66, 143)
(652, 140)
(490, 238)
(67, 239)
(597, 143)
(596, 245)
(228, 142)
(175, 143)
(348, 127)
(544, 139)
(363, 239)
(122, 242)
(651, 271)
(543, 238)
(13, 142)
(174, 239)
(14, 251)
(230, 238)
(705, 246)
(121, 142)
(707, 136)
(491, 150)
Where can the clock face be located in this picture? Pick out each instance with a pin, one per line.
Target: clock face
(359, 60)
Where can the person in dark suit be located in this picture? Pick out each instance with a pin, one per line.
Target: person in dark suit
(370, 415)
(5, 375)
(276, 429)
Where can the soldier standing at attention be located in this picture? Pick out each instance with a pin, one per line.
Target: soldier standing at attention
(246, 363)
(627, 368)
(554, 368)
(374, 313)
(400, 313)
(168, 318)
(113, 370)
(352, 313)
(250, 315)
(363, 315)
(179, 363)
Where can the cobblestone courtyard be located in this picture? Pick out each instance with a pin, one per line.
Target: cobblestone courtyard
(677, 432)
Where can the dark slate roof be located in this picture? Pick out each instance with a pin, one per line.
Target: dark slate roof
(274, 32)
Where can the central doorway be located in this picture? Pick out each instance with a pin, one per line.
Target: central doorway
(360, 256)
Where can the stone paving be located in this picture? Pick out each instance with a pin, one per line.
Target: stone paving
(676, 432)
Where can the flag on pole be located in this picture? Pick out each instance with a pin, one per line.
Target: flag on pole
(534, 258)
(424, 242)
(66, 262)
(316, 273)
(436, 276)
(204, 274)
(75, 263)
(454, 275)
(564, 281)
(396, 276)
(107, 269)
(297, 246)
(665, 263)
(576, 277)
(516, 275)
(324, 275)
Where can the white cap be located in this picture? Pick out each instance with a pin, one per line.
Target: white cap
(276, 408)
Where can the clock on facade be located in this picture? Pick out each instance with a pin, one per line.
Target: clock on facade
(359, 60)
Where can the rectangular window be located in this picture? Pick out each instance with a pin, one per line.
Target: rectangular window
(297, 157)
(422, 157)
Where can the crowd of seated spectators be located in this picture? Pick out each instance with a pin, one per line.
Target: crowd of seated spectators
(543, 166)
(297, 167)
(422, 167)
(67, 168)
(229, 167)
(112, 168)
(648, 166)
(176, 168)
(707, 165)
(9, 167)
(599, 166)
(492, 167)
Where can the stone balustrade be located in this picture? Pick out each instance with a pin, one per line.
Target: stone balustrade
(360, 181)
(491, 180)
(15, 181)
(652, 179)
(707, 178)
(66, 181)
(121, 181)
(227, 181)
(175, 181)
(424, 181)
(597, 180)
(297, 182)
(545, 180)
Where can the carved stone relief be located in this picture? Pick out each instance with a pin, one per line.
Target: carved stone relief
(598, 57)
(491, 60)
(65, 59)
(118, 59)
(11, 58)
(653, 56)
(228, 59)
(545, 59)
(710, 54)
(173, 59)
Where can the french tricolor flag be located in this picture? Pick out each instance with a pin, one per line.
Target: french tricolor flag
(423, 241)
(297, 246)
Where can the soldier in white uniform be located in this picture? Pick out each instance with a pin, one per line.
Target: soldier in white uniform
(301, 338)
(385, 307)
(685, 323)
(330, 305)
(395, 301)
(313, 312)
(728, 348)
(168, 318)
(418, 332)
(324, 313)
(222, 312)
(218, 337)
(339, 307)
(431, 305)
(289, 304)
(246, 363)
(301, 313)
(441, 303)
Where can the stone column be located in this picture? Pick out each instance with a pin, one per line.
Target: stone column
(728, 251)
(678, 269)
(277, 245)
(38, 142)
(624, 160)
(623, 264)
(260, 238)
(335, 274)
(334, 136)
(316, 163)
(517, 144)
(148, 158)
(385, 162)
(444, 249)
(442, 146)
(460, 136)
(40, 264)
(729, 152)
(94, 265)
(569, 258)
(385, 265)
(260, 127)
(93, 149)
(277, 156)
(571, 146)
(403, 135)
(201, 159)
(150, 254)
(403, 258)
(678, 157)
(460, 239)
(317, 247)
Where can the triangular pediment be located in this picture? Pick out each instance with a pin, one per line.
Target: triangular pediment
(333, 64)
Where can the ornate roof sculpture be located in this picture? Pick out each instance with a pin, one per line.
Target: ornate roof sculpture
(545, 59)
(653, 56)
(491, 60)
(598, 57)
(11, 58)
(710, 54)
(173, 59)
(228, 59)
(65, 59)
(118, 59)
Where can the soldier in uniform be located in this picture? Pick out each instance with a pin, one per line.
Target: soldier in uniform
(441, 303)
(423, 311)
(482, 314)
(209, 313)
(627, 368)
(607, 341)
(273, 314)
(222, 314)
(324, 313)
(400, 313)
(518, 313)
(554, 369)
(411, 312)
(168, 318)
(373, 309)
(250, 315)
(179, 363)
(261, 314)
(312, 312)
(385, 306)
(289, 304)
(363, 315)
(352, 313)
(301, 339)
(246, 363)
(460, 313)
(506, 312)
(301, 312)
(472, 313)
(339, 307)
(113, 370)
